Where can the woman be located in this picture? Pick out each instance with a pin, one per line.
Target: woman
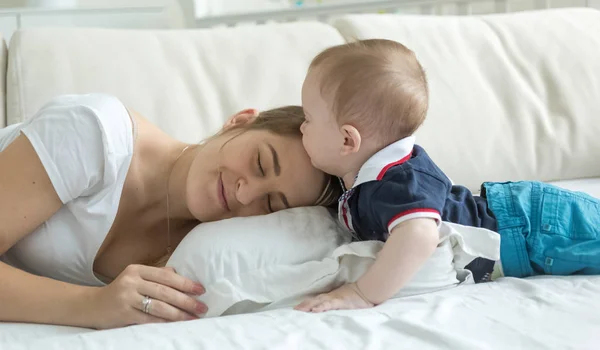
(94, 198)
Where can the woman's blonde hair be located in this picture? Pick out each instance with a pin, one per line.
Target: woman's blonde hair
(283, 121)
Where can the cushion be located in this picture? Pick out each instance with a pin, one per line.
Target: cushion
(185, 81)
(589, 186)
(513, 96)
(277, 260)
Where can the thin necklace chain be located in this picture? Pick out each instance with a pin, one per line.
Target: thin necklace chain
(169, 250)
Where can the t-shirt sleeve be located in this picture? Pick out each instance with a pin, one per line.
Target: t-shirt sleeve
(406, 195)
(68, 139)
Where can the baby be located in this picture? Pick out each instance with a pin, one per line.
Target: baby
(363, 102)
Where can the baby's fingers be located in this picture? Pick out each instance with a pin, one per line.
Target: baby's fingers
(308, 304)
(329, 304)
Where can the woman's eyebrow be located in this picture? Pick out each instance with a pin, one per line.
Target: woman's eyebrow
(276, 166)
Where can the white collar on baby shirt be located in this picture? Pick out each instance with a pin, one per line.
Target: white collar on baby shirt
(393, 154)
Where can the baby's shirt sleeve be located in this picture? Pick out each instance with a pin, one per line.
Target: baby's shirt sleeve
(406, 194)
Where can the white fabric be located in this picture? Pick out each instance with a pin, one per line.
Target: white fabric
(534, 313)
(589, 186)
(281, 258)
(85, 143)
(187, 82)
(512, 97)
(375, 167)
(240, 258)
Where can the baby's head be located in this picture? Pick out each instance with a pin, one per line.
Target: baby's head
(358, 98)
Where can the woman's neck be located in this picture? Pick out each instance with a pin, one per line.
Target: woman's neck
(163, 167)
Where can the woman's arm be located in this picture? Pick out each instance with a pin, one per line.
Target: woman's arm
(27, 199)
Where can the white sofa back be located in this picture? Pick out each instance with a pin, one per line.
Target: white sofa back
(512, 96)
(185, 81)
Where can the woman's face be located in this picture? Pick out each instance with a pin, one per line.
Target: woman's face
(254, 172)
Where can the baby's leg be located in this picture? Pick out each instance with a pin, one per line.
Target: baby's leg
(568, 239)
(545, 229)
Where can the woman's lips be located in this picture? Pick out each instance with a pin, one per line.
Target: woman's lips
(221, 193)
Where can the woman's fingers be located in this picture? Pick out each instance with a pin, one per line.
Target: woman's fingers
(162, 310)
(144, 318)
(168, 277)
(172, 297)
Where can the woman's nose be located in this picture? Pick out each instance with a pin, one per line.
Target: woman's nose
(249, 191)
(302, 127)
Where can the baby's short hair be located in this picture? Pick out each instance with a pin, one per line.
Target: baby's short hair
(376, 85)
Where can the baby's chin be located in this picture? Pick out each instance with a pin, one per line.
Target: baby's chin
(316, 165)
(324, 169)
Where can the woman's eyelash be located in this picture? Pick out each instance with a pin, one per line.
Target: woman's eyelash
(262, 171)
(260, 168)
(269, 203)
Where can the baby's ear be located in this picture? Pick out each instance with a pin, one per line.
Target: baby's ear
(352, 139)
(241, 118)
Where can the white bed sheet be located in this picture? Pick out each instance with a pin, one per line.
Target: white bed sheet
(535, 313)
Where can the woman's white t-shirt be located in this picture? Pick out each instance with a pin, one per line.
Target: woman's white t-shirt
(85, 143)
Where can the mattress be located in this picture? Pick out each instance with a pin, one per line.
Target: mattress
(534, 313)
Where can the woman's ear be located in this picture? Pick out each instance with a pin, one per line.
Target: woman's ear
(241, 118)
(352, 139)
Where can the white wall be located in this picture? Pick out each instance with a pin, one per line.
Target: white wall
(12, 3)
(90, 3)
(143, 14)
(121, 2)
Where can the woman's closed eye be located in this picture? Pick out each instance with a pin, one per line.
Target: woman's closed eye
(262, 173)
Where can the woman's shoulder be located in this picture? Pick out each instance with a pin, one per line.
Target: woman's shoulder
(82, 141)
(91, 113)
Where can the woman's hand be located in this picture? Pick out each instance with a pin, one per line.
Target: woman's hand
(121, 302)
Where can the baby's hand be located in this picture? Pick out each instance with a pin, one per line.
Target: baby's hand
(344, 298)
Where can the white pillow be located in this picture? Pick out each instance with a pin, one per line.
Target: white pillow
(237, 259)
(277, 260)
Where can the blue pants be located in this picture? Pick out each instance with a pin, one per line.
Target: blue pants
(545, 229)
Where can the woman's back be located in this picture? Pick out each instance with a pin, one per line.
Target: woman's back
(85, 143)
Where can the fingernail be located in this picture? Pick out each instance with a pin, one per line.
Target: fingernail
(198, 289)
(201, 308)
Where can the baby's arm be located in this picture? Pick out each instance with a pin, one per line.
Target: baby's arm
(410, 244)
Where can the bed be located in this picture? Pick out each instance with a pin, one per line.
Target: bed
(535, 86)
